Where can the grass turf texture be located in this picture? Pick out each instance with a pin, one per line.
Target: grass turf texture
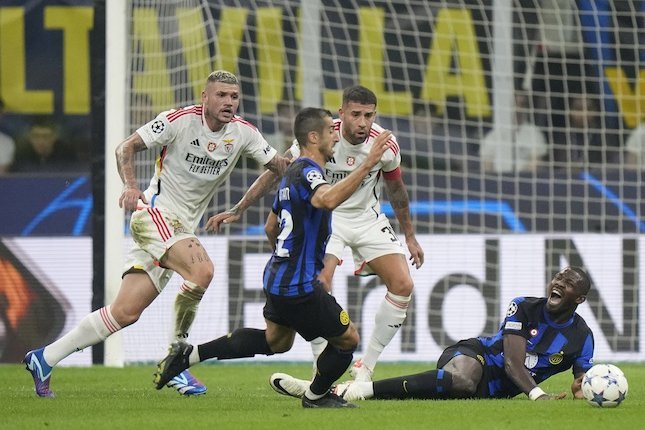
(239, 397)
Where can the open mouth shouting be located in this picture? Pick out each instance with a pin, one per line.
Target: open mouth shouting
(555, 296)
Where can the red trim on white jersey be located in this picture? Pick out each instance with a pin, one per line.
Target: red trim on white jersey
(194, 110)
(162, 227)
(392, 144)
(358, 271)
(243, 121)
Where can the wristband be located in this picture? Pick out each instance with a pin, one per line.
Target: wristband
(535, 393)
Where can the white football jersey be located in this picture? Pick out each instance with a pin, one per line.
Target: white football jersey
(346, 158)
(194, 160)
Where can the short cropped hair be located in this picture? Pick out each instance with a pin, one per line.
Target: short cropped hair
(585, 283)
(224, 77)
(359, 94)
(308, 120)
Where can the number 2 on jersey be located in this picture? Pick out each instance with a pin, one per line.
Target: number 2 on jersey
(286, 226)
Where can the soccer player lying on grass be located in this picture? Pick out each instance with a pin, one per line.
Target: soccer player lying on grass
(538, 338)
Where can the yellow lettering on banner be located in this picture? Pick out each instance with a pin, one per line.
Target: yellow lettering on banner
(13, 85)
(454, 38)
(271, 57)
(371, 68)
(229, 38)
(332, 99)
(631, 103)
(76, 23)
(194, 42)
(153, 78)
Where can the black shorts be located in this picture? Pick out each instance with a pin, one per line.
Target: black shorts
(314, 315)
(471, 348)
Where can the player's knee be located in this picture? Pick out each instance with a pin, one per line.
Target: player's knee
(281, 345)
(204, 275)
(401, 287)
(462, 386)
(124, 316)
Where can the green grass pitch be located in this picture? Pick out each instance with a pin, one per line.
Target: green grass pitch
(239, 397)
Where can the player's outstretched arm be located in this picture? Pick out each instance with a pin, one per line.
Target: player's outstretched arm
(330, 197)
(125, 164)
(398, 197)
(260, 187)
(514, 355)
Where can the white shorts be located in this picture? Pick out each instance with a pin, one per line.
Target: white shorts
(368, 236)
(154, 231)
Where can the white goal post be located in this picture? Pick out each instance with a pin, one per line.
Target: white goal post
(513, 118)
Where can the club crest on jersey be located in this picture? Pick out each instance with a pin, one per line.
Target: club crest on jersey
(556, 358)
(158, 126)
(228, 145)
(212, 146)
(344, 317)
(350, 161)
(177, 226)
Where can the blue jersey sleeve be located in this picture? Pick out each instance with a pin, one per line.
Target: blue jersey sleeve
(585, 360)
(516, 321)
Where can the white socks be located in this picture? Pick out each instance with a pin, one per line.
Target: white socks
(193, 358)
(186, 304)
(389, 319)
(92, 329)
(318, 345)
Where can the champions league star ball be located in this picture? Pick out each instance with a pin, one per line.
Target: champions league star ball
(604, 386)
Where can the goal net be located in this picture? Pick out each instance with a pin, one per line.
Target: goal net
(514, 120)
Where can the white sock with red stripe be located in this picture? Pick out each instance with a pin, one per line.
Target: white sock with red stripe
(389, 319)
(186, 304)
(92, 329)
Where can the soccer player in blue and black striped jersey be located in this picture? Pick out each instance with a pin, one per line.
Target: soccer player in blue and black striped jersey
(538, 338)
(298, 228)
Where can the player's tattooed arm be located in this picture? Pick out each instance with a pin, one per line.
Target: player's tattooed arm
(398, 196)
(125, 165)
(266, 182)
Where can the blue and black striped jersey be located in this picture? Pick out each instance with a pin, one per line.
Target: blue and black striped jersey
(304, 232)
(550, 348)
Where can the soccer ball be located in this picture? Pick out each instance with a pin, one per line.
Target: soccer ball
(604, 386)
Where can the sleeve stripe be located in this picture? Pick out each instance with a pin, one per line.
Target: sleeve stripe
(392, 143)
(194, 110)
(243, 121)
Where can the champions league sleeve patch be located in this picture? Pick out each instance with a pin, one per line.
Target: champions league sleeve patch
(315, 178)
(512, 309)
(158, 126)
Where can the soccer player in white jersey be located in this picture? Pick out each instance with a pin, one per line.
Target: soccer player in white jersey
(200, 146)
(359, 224)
